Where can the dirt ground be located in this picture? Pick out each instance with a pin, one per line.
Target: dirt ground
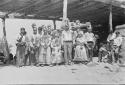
(75, 74)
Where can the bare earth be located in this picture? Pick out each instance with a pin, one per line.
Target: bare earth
(74, 74)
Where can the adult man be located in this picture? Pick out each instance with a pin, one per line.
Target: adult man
(90, 41)
(67, 38)
(34, 46)
(116, 46)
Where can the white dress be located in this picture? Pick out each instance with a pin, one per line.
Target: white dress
(45, 51)
(80, 51)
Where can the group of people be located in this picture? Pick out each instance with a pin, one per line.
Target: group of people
(109, 51)
(47, 46)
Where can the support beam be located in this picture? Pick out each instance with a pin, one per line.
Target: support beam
(6, 48)
(64, 9)
(110, 18)
(54, 24)
(3, 22)
(116, 3)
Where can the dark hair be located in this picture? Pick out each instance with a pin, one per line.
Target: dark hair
(117, 32)
(24, 30)
(39, 28)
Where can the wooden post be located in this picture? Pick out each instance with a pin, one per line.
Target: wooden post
(6, 49)
(54, 23)
(110, 18)
(3, 22)
(64, 9)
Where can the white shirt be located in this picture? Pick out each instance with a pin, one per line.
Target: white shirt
(118, 41)
(34, 39)
(67, 35)
(89, 36)
(24, 38)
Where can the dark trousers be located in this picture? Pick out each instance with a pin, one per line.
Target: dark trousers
(90, 54)
(68, 51)
(115, 54)
(27, 57)
(32, 55)
(90, 50)
(100, 56)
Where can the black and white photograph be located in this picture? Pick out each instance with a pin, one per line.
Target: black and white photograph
(62, 42)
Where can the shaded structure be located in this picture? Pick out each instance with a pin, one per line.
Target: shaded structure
(95, 11)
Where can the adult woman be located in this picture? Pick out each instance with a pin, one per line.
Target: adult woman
(21, 47)
(45, 51)
(80, 51)
(56, 48)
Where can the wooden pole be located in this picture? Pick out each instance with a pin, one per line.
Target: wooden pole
(54, 23)
(3, 22)
(110, 18)
(6, 49)
(64, 9)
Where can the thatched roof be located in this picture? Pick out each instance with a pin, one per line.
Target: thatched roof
(86, 10)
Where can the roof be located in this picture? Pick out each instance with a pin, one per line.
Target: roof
(120, 27)
(86, 10)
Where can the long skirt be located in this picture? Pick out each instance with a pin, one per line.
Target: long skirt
(45, 55)
(20, 53)
(56, 56)
(80, 54)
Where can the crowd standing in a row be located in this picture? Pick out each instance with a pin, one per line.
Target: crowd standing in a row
(52, 47)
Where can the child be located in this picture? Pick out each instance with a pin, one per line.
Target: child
(56, 49)
(103, 52)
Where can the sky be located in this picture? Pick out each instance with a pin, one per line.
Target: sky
(13, 27)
